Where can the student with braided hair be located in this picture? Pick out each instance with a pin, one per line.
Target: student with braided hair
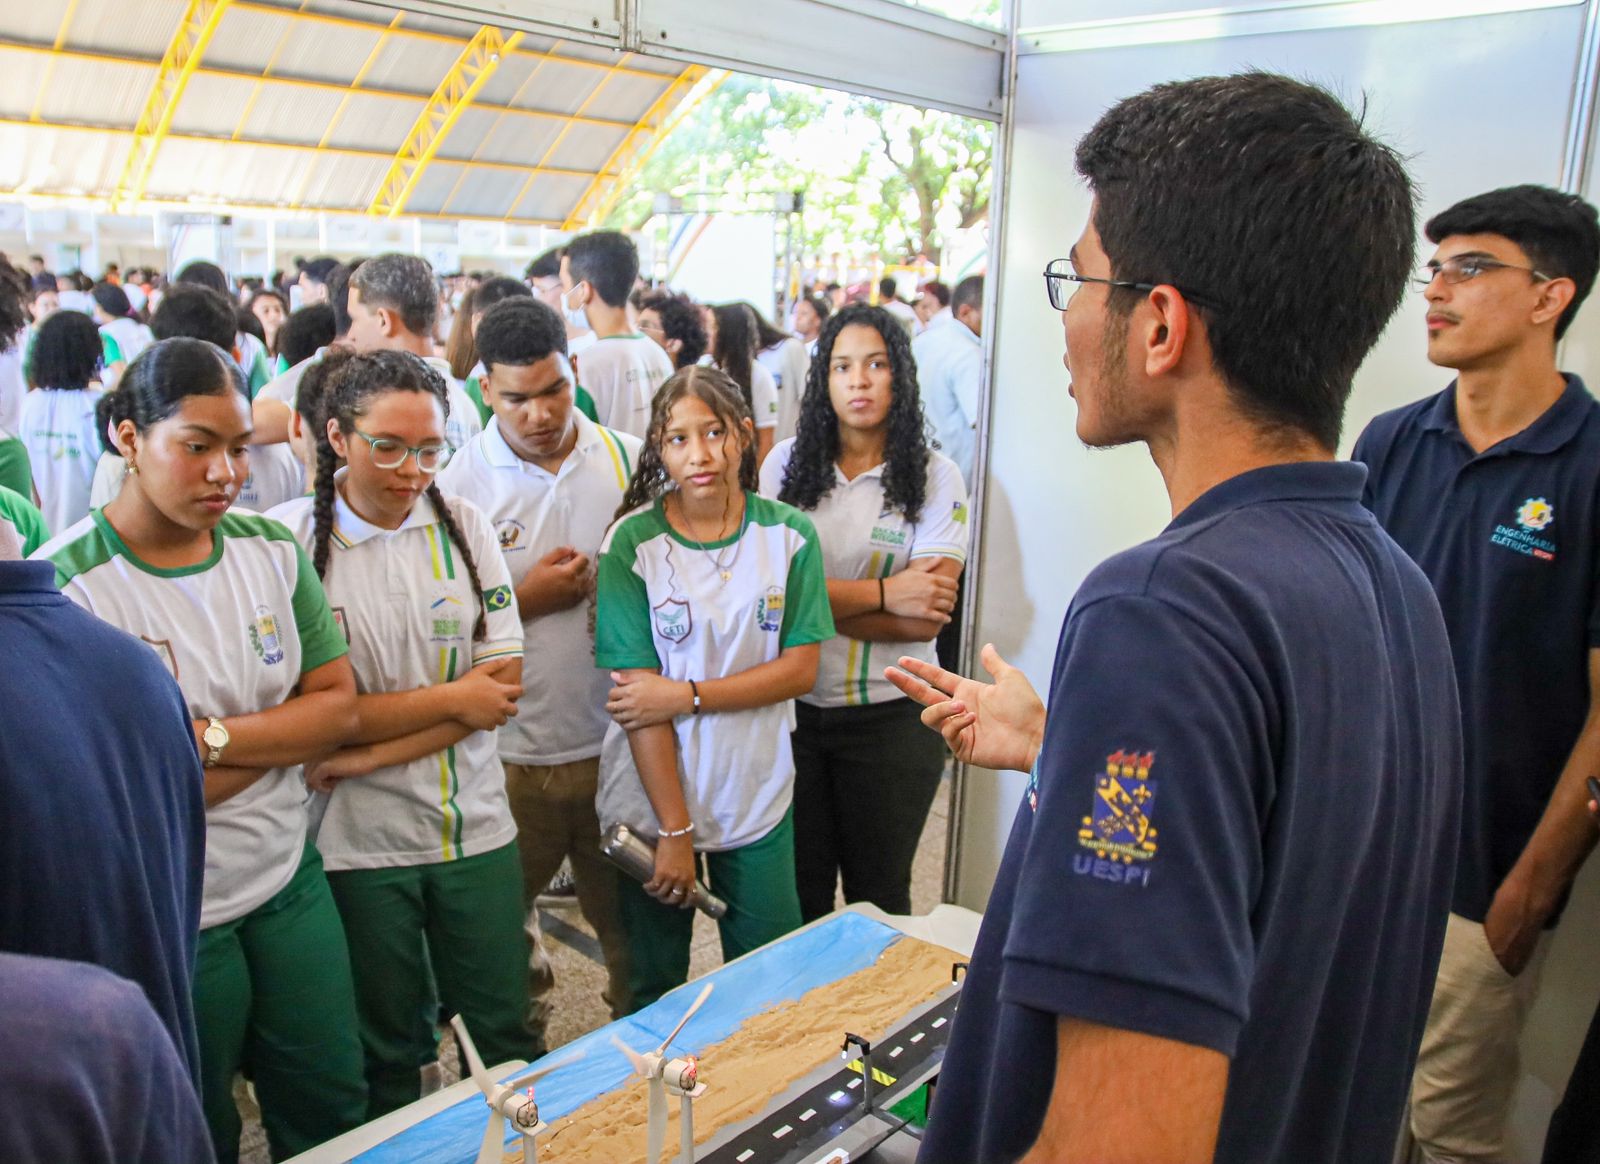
(418, 835)
(231, 606)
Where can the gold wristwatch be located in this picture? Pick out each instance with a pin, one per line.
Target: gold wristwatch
(215, 738)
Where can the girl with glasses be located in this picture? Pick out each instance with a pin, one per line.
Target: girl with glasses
(417, 835)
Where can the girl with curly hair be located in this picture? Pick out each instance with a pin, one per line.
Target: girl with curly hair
(892, 515)
(711, 603)
(417, 834)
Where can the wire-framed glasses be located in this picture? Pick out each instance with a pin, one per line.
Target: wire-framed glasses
(388, 453)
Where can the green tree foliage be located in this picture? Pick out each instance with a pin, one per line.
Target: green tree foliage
(875, 175)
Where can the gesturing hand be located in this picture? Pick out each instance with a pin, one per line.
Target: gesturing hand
(994, 725)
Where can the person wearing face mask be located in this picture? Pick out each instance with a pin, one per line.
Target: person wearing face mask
(622, 369)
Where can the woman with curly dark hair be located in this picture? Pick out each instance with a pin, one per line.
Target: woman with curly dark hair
(733, 334)
(892, 516)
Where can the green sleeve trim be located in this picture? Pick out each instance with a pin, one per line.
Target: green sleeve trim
(321, 641)
(260, 373)
(585, 403)
(27, 520)
(16, 470)
(623, 636)
(110, 349)
(807, 617)
(475, 394)
(86, 553)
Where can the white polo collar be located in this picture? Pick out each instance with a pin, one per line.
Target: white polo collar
(501, 456)
(351, 529)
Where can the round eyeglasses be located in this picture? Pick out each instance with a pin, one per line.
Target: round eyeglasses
(388, 453)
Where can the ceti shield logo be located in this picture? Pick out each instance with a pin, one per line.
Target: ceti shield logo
(1536, 514)
(674, 619)
(1119, 822)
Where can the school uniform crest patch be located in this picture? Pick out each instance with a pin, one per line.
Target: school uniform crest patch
(1120, 825)
(264, 638)
(674, 619)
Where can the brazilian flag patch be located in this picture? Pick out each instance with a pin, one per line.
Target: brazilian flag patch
(497, 599)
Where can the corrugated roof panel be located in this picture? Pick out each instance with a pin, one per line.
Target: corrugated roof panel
(411, 64)
(433, 188)
(467, 135)
(346, 9)
(325, 52)
(653, 64)
(339, 180)
(291, 113)
(96, 92)
(21, 78)
(519, 139)
(38, 23)
(461, 30)
(513, 73)
(486, 193)
(142, 29)
(626, 97)
(586, 148)
(36, 160)
(550, 198)
(210, 171)
(212, 105)
(590, 52)
(376, 123)
(559, 87)
(245, 39)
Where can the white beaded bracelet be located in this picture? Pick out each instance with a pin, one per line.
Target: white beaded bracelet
(683, 832)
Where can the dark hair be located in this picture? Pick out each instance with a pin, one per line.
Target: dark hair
(968, 293)
(1558, 232)
(347, 393)
(938, 290)
(402, 283)
(496, 290)
(680, 320)
(545, 266)
(163, 376)
(888, 288)
(459, 350)
(206, 275)
(1233, 188)
(314, 384)
(767, 335)
(819, 304)
(304, 332)
(320, 269)
(112, 300)
(734, 350)
(520, 331)
(66, 351)
(810, 475)
(245, 321)
(339, 296)
(198, 312)
(722, 396)
(15, 296)
(608, 261)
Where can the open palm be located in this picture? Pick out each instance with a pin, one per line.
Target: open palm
(994, 725)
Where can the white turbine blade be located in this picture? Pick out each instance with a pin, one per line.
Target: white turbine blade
(541, 1072)
(687, 1015)
(474, 1064)
(657, 1129)
(493, 1149)
(634, 1057)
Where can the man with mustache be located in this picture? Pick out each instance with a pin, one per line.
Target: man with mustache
(1493, 487)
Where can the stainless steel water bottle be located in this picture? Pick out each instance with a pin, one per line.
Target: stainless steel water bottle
(636, 857)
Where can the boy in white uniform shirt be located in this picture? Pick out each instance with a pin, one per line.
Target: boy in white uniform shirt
(622, 369)
(550, 480)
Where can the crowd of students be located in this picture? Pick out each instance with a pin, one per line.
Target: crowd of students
(439, 622)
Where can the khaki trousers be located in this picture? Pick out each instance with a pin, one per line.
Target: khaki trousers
(1469, 1062)
(554, 809)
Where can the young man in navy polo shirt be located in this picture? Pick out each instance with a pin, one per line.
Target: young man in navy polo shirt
(1493, 487)
(1216, 925)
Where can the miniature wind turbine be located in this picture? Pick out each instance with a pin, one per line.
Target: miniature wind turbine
(507, 1101)
(681, 1077)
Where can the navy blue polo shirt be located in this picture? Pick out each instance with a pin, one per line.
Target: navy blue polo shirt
(102, 842)
(1509, 538)
(1239, 833)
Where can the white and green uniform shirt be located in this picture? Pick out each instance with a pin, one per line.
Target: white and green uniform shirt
(664, 604)
(405, 603)
(863, 538)
(22, 528)
(763, 396)
(561, 717)
(251, 356)
(276, 476)
(63, 442)
(622, 373)
(237, 631)
(789, 360)
(122, 340)
(463, 422)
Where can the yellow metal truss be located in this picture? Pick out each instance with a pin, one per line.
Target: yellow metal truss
(188, 44)
(470, 73)
(691, 87)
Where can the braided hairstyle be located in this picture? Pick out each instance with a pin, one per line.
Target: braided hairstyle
(809, 476)
(720, 394)
(347, 394)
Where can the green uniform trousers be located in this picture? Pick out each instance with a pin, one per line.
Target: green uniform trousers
(425, 935)
(757, 882)
(272, 995)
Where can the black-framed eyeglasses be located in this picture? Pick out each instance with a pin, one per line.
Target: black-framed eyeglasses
(1058, 271)
(388, 453)
(1460, 268)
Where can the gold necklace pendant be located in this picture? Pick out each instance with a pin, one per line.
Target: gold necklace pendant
(727, 575)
